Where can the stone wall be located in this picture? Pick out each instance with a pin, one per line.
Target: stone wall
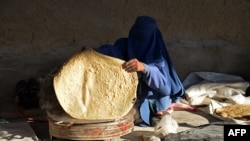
(201, 35)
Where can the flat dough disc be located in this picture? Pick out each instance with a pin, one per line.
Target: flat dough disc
(94, 86)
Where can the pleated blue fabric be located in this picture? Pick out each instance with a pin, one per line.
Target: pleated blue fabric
(160, 85)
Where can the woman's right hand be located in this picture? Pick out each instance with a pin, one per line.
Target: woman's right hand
(133, 65)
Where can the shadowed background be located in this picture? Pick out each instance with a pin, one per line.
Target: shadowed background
(201, 35)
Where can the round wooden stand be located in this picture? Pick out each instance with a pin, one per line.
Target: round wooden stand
(91, 130)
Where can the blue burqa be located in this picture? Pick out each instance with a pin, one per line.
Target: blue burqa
(160, 85)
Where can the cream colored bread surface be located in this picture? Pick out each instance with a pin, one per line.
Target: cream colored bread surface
(234, 111)
(94, 86)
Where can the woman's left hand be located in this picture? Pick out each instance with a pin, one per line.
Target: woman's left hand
(133, 65)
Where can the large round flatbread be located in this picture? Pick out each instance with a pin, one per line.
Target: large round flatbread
(94, 86)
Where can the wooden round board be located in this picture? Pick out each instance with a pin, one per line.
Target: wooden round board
(92, 131)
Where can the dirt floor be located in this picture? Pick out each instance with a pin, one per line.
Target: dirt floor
(186, 120)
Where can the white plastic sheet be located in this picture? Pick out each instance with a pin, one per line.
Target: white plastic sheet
(216, 90)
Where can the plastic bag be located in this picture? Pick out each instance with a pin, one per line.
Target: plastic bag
(166, 125)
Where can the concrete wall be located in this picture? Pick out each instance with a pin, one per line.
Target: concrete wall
(202, 35)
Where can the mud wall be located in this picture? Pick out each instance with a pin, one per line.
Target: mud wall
(201, 35)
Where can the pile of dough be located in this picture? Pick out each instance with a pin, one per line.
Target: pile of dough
(234, 111)
(94, 86)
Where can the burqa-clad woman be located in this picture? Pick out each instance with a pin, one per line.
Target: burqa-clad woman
(145, 52)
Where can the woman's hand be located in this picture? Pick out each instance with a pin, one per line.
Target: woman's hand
(133, 65)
